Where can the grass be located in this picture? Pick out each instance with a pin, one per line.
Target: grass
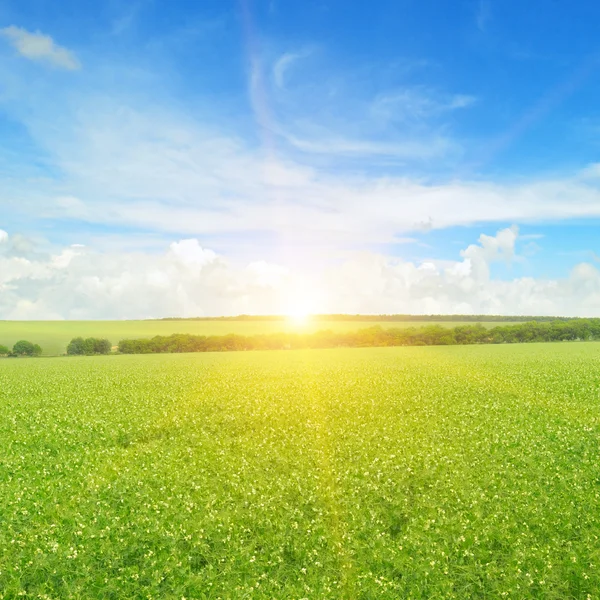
(53, 336)
(463, 472)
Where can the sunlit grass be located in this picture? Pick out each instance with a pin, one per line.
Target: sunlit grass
(468, 472)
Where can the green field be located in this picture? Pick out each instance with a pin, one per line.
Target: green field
(381, 473)
(53, 336)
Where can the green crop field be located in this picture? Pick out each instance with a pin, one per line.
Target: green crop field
(53, 336)
(381, 473)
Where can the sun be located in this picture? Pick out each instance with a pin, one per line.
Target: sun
(298, 315)
(302, 301)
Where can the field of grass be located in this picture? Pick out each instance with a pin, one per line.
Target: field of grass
(381, 473)
(53, 336)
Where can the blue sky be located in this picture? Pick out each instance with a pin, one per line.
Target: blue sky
(302, 137)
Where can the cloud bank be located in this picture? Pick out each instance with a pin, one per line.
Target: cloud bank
(188, 280)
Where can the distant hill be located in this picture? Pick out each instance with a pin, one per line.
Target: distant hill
(380, 318)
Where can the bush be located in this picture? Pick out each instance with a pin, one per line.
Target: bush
(25, 348)
(4, 351)
(88, 347)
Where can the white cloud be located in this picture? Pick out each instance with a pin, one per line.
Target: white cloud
(40, 47)
(191, 254)
(186, 280)
(165, 173)
(74, 206)
(190, 280)
(117, 158)
(143, 170)
(478, 257)
(378, 284)
(160, 170)
(3, 236)
(267, 275)
(63, 260)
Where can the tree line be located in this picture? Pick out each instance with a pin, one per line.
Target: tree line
(21, 348)
(431, 335)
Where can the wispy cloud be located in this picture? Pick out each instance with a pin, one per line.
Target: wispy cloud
(327, 113)
(484, 15)
(159, 169)
(40, 47)
(531, 236)
(415, 149)
(284, 63)
(126, 20)
(416, 104)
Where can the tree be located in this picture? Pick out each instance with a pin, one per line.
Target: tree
(25, 348)
(4, 350)
(103, 346)
(76, 347)
(89, 346)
